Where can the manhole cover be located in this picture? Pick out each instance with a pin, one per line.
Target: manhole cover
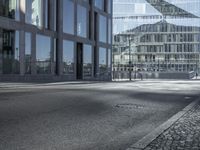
(187, 97)
(129, 106)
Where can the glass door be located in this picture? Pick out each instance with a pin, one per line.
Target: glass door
(79, 60)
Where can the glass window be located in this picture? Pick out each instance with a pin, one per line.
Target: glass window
(9, 51)
(9, 8)
(43, 54)
(102, 29)
(16, 54)
(68, 57)
(99, 4)
(102, 60)
(86, 1)
(150, 23)
(109, 6)
(68, 16)
(109, 59)
(82, 21)
(27, 53)
(87, 60)
(109, 31)
(34, 12)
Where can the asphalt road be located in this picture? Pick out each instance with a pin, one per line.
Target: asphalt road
(87, 116)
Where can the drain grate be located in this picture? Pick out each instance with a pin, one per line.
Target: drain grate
(129, 106)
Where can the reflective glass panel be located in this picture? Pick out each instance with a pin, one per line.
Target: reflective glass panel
(82, 21)
(99, 4)
(43, 54)
(27, 53)
(34, 12)
(9, 8)
(68, 16)
(9, 50)
(109, 6)
(109, 31)
(102, 29)
(164, 35)
(68, 57)
(87, 60)
(109, 59)
(102, 60)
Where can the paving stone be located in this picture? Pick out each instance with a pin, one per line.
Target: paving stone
(182, 135)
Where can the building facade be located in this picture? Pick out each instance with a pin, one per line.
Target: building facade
(156, 35)
(53, 40)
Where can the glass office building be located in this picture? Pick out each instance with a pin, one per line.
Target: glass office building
(156, 35)
(55, 40)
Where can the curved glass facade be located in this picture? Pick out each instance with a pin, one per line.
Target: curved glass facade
(159, 35)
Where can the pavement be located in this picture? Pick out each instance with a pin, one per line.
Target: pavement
(184, 134)
(95, 116)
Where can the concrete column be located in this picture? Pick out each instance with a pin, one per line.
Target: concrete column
(59, 51)
(33, 54)
(92, 21)
(1, 58)
(22, 10)
(52, 57)
(22, 52)
(43, 21)
(75, 32)
(52, 5)
(91, 32)
(22, 37)
(96, 44)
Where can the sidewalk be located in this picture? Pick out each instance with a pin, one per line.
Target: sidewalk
(184, 134)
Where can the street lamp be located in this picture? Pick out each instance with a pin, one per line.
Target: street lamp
(129, 43)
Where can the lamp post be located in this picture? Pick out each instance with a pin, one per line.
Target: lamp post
(129, 43)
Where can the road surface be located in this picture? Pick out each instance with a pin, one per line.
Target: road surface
(88, 115)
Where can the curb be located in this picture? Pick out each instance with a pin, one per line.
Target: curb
(146, 140)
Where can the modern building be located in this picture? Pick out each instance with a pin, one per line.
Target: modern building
(54, 40)
(156, 36)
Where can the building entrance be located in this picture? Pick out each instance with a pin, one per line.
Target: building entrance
(79, 62)
(8, 52)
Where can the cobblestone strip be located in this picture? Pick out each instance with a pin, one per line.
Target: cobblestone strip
(182, 135)
(145, 141)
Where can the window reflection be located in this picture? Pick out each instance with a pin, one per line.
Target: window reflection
(102, 29)
(109, 31)
(43, 51)
(9, 8)
(68, 16)
(9, 50)
(99, 4)
(34, 12)
(27, 53)
(102, 60)
(68, 57)
(87, 60)
(109, 59)
(82, 21)
(164, 35)
(109, 6)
